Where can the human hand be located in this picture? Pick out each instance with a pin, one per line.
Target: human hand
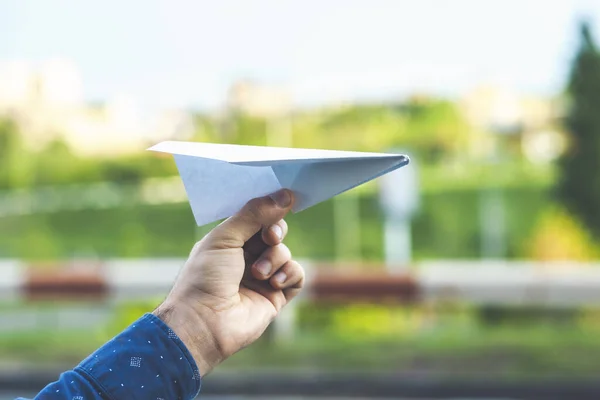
(235, 282)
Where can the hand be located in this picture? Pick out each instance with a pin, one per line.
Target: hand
(235, 282)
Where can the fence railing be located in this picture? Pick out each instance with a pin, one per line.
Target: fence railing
(477, 282)
(100, 195)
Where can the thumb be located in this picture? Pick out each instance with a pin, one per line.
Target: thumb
(259, 212)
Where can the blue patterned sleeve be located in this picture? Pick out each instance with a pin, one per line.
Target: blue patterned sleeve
(146, 361)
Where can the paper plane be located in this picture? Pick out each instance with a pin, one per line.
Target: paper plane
(220, 178)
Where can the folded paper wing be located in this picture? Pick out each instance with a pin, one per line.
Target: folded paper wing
(220, 178)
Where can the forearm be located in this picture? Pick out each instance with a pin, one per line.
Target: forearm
(146, 361)
(72, 385)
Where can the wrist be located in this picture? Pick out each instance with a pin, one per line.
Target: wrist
(194, 332)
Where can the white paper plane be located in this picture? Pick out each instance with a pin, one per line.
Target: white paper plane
(220, 178)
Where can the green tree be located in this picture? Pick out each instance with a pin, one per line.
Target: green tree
(432, 129)
(15, 164)
(55, 164)
(436, 129)
(579, 185)
(358, 128)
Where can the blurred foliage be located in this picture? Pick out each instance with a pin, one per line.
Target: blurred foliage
(588, 319)
(381, 321)
(579, 186)
(454, 339)
(127, 313)
(446, 226)
(527, 315)
(56, 164)
(434, 131)
(15, 165)
(558, 236)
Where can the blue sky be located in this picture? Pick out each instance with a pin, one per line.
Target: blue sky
(186, 53)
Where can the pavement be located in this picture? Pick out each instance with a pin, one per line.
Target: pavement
(278, 385)
(12, 396)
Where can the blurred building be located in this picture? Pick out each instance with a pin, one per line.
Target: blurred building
(258, 100)
(535, 122)
(46, 101)
(268, 102)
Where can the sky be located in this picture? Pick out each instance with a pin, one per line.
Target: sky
(187, 53)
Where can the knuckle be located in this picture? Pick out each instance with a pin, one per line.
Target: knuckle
(283, 225)
(227, 243)
(282, 251)
(301, 272)
(280, 302)
(296, 270)
(291, 293)
(196, 248)
(225, 238)
(256, 209)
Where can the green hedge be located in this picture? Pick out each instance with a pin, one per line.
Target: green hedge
(447, 226)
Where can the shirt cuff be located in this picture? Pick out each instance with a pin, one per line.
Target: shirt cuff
(146, 361)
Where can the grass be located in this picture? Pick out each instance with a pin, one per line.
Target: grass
(506, 352)
(59, 347)
(511, 352)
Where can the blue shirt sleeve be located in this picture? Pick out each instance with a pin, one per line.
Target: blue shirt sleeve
(146, 361)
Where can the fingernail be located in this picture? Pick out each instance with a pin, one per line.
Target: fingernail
(282, 198)
(264, 267)
(276, 229)
(280, 277)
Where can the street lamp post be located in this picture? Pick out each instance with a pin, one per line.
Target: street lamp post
(399, 196)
